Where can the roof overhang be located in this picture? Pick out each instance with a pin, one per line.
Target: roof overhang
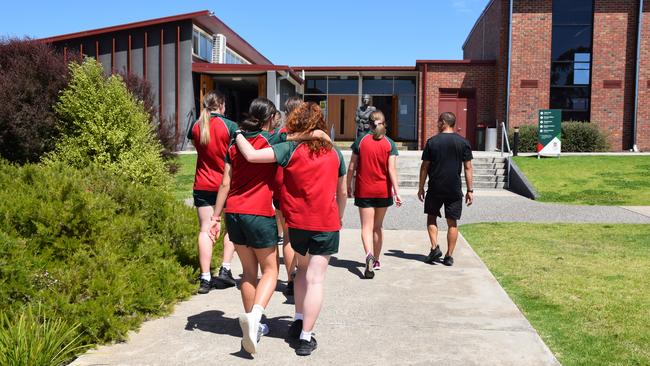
(456, 62)
(246, 69)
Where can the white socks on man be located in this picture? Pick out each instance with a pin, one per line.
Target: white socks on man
(305, 336)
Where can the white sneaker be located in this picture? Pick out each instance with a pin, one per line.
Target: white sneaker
(249, 327)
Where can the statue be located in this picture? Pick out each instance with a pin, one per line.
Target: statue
(362, 117)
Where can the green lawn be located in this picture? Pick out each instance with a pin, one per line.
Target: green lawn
(184, 178)
(590, 180)
(585, 288)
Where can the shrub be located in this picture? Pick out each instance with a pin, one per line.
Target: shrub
(583, 137)
(31, 76)
(102, 124)
(92, 248)
(576, 137)
(33, 339)
(141, 90)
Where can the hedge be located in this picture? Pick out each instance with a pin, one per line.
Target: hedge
(576, 137)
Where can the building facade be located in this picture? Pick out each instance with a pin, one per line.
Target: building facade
(589, 58)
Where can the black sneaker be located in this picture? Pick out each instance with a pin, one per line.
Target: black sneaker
(295, 329)
(434, 255)
(448, 261)
(204, 286)
(225, 277)
(370, 262)
(305, 348)
(289, 290)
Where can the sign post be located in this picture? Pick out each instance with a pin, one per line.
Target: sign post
(549, 139)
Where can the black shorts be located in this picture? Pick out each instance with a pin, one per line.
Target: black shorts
(373, 202)
(314, 242)
(204, 198)
(453, 206)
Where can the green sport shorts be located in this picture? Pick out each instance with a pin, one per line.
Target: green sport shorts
(314, 242)
(204, 198)
(373, 202)
(254, 231)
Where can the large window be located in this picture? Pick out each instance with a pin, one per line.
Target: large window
(202, 44)
(234, 58)
(571, 58)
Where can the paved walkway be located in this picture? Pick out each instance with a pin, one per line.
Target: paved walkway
(411, 313)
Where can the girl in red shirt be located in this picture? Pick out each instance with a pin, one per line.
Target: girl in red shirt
(313, 200)
(211, 136)
(374, 160)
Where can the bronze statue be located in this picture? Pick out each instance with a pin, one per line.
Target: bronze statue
(362, 117)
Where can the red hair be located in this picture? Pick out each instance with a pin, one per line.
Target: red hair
(308, 117)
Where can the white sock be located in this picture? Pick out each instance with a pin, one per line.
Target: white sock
(305, 335)
(226, 266)
(206, 276)
(257, 312)
(298, 316)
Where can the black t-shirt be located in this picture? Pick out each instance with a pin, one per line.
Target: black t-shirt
(446, 152)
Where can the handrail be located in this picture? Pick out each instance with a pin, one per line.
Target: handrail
(504, 140)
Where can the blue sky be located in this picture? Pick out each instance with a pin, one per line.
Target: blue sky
(309, 33)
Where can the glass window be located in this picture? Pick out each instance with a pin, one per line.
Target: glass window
(406, 109)
(378, 85)
(342, 85)
(404, 85)
(566, 12)
(576, 99)
(316, 85)
(581, 77)
(569, 40)
(195, 42)
(582, 57)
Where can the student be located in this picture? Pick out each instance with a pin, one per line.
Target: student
(287, 252)
(442, 158)
(374, 159)
(211, 136)
(313, 200)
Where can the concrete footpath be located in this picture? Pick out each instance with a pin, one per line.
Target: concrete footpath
(412, 313)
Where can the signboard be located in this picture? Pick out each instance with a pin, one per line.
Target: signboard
(549, 139)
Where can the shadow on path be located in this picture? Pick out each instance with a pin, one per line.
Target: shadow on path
(409, 256)
(351, 266)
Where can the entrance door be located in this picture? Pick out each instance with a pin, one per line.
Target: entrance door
(462, 105)
(341, 110)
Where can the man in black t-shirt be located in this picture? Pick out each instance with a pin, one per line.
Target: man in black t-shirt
(442, 158)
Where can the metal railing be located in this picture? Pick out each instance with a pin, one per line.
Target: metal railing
(506, 143)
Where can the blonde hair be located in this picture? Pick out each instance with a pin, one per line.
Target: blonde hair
(211, 102)
(379, 131)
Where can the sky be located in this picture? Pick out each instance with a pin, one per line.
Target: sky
(296, 33)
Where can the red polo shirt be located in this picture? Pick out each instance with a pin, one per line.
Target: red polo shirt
(372, 178)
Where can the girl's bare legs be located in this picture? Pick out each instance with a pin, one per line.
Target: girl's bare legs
(377, 233)
(311, 279)
(367, 215)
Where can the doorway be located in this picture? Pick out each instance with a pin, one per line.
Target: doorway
(341, 110)
(462, 103)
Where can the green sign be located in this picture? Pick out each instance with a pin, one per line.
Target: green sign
(550, 123)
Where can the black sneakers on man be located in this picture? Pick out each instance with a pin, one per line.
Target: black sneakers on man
(369, 273)
(305, 348)
(434, 255)
(448, 261)
(225, 277)
(204, 286)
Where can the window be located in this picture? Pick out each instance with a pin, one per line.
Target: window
(378, 85)
(342, 85)
(234, 58)
(571, 58)
(316, 85)
(202, 44)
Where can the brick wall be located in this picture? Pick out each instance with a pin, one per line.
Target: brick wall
(532, 24)
(483, 43)
(614, 59)
(479, 77)
(643, 116)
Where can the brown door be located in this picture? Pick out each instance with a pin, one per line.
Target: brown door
(207, 85)
(341, 110)
(463, 107)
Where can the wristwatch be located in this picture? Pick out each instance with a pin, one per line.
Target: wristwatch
(470, 191)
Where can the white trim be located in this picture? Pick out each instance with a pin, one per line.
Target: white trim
(228, 49)
(207, 35)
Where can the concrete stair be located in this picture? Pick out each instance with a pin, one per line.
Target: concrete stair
(401, 145)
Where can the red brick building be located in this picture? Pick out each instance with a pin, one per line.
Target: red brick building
(579, 56)
(589, 58)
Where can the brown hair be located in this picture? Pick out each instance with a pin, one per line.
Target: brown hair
(448, 118)
(260, 112)
(211, 102)
(308, 117)
(291, 104)
(379, 131)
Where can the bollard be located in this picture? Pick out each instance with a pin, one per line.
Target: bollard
(515, 143)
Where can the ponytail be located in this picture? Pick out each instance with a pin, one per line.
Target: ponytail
(211, 102)
(378, 131)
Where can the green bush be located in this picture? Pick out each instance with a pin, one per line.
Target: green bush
(92, 248)
(33, 339)
(576, 137)
(583, 137)
(103, 124)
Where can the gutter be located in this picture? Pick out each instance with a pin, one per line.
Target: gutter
(635, 148)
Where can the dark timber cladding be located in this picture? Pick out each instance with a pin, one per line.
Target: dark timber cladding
(161, 53)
